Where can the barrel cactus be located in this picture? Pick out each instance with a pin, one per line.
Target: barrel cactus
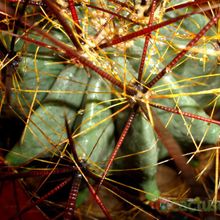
(107, 90)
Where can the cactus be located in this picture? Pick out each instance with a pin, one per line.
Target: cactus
(107, 90)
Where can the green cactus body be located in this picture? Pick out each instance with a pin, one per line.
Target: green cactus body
(193, 130)
(186, 131)
(36, 77)
(49, 90)
(97, 140)
(139, 153)
(46, 129)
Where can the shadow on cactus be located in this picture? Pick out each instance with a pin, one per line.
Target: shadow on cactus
(106, 92)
